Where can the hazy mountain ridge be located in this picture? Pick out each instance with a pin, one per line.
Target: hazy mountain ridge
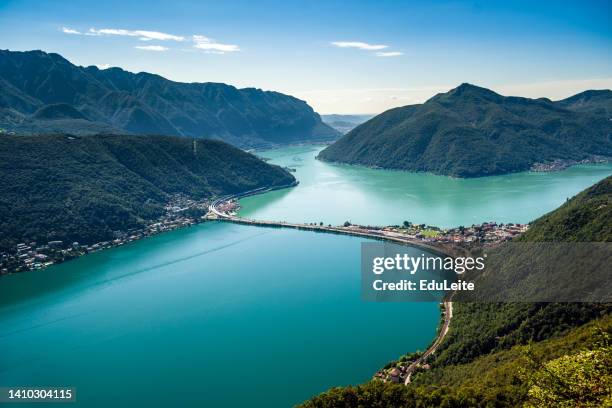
(120, 101)
(472, 131)
(345, 123)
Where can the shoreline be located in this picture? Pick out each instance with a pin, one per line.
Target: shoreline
(380, 234)
(551, 167)
(30, 256)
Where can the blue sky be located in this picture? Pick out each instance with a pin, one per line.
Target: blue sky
(340, 56)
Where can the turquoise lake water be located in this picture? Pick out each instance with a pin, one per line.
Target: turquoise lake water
(216, 315)
(233, 316)
(334, 193)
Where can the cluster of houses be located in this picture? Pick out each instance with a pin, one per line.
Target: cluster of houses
(560, 164)
(398, 373)
(485, 233)
(32, 256)
(181, 212)
(229, 207)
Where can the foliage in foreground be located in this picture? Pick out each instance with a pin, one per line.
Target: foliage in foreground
(523, 375)
(583, 379)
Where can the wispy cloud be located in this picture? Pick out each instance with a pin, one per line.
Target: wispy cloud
(67, 30)
(141, 34)
(152, 48)
(200, 42)
(368, 47)
(360, 45)
(389, 54)
(209, 45)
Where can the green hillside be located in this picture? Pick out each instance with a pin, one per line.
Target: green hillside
(82, 188)
(597, 102)
(586, 217)
(472, 132)
(553, 373)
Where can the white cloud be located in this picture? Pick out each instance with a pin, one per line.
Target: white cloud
(211, 46)
(200, 42)
(143, 35)
(67, 30)
(103, 66)
(152, 47)
(360, 45)
(389, 54)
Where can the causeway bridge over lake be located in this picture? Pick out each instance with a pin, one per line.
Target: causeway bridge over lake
(432, 247)
(354, 230)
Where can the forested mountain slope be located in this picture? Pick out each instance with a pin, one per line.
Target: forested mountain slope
(82, 188)
(472, 131)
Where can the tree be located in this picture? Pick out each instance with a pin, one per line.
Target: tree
(347, 223)
(578, 380)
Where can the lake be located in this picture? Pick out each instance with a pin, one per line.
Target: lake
(229, 315)
(213, 315)
(333, 194)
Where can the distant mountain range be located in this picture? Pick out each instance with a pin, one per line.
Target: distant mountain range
(345, 123)
(83, 188)
(472, 131)
(45, 93)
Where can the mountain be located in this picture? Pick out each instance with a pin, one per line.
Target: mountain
(472, 132)
(41, 93)
(57, 111)
(587, 217)
(82, 188)
(597, 102)
(345, 123)
(515, 353)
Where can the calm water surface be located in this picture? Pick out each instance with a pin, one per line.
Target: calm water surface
(211, 316)
(229, 315)
(334, 193)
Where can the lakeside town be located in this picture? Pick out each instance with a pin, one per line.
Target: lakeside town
(485, 234)
(562, 164)
(182, 211)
